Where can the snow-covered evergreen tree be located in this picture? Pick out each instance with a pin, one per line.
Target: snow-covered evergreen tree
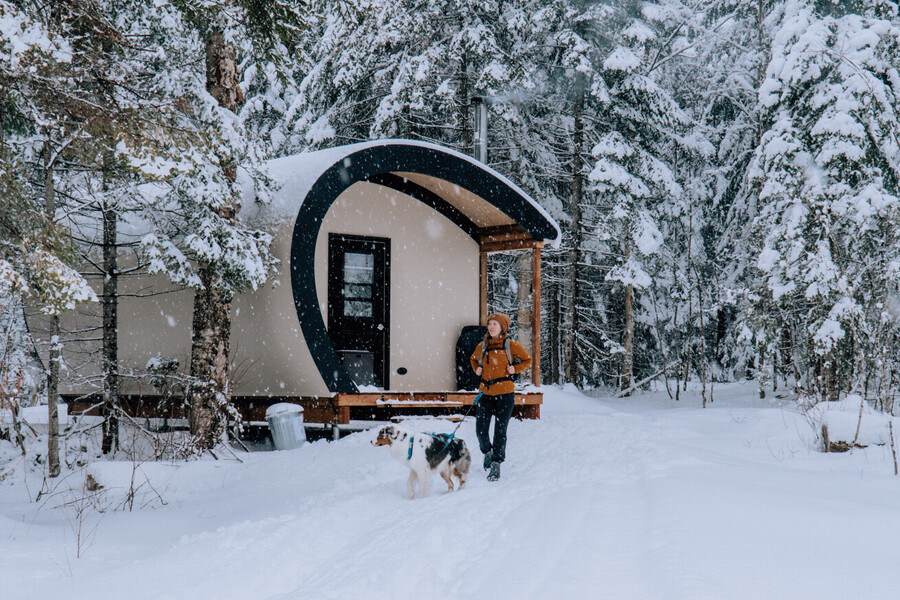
(31, 246)
(828, 183)
(634, 133)
(207, 246)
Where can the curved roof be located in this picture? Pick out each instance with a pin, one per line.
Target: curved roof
(295, 176)
(469, 193)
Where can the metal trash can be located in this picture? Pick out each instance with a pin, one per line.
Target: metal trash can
(286, 424)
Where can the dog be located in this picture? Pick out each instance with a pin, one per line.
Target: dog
(425, 453)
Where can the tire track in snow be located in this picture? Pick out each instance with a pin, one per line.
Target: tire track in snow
(612, 507)
(566, 510)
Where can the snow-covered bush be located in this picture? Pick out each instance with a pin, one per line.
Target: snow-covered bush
(850, 422)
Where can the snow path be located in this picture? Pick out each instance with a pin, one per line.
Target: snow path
(638, 499)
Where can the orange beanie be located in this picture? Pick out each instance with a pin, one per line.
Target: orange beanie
(502, 319)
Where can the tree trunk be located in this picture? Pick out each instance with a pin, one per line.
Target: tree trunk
(2, 118)
(552, 324)
(210, 394)
(570, 352)
(110, 330)
(222, 76)
(760, 372)
(464, 103)
(830, 388)
(202, 415)
(524, 300)
(628, 356)
(53, 468)
(703, 358)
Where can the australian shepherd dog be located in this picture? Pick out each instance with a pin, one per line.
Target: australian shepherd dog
(425, 453)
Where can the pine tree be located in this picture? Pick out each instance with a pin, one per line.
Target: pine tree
(827, 180)
(37, 92)
(221, 256)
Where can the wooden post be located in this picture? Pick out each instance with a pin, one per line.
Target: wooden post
(536, 315)
(483, 283)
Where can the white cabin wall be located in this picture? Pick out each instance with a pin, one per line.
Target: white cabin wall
(157, 322)
(154, 320)
(434, 280)
(270, 354)
(434, 293)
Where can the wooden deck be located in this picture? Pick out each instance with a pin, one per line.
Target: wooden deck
(384, 406)
(377, 406)
(339, 409)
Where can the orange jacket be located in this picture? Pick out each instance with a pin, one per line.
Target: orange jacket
(495, 364)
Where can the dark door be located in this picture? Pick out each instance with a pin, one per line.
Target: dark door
(359, 305)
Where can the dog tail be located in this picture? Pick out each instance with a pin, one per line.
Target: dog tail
(463, 458)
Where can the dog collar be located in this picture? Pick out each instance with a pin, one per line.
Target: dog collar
(409, 456)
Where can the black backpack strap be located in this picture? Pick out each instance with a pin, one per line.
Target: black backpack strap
(490, 382)
(484, 350)
(506, 346)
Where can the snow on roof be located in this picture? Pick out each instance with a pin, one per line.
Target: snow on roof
(295, 175)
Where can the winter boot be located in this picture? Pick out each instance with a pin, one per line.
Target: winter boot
(487, 460)
(494, 475)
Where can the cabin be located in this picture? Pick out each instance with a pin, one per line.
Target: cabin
(383, 251)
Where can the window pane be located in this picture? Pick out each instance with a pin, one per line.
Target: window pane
(359, 268)
(357, 308)
(357, 291)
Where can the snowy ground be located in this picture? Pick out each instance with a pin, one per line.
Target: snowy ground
(639, 498)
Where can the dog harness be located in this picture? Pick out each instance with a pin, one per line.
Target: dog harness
(452, 435)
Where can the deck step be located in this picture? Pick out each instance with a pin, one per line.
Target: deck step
(451, 418)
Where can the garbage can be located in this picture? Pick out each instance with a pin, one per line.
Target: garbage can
(286, 424)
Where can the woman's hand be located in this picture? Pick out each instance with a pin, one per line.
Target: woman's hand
(511, 370)
(478, 371)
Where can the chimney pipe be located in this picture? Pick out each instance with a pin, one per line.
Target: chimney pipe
(481, 126)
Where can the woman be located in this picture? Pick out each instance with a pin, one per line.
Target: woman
(495, 360)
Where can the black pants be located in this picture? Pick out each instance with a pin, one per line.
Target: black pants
(500, 407)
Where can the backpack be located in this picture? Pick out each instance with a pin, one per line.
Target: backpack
(509, 356)
(469, 337)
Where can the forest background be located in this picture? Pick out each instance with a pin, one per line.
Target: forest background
(725, 172)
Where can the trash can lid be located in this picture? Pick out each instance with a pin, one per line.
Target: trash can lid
(283, 408)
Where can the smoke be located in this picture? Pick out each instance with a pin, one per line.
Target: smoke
(892, 305)
(519, 96)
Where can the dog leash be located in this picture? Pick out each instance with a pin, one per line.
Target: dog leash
(452, 435)
(440, 435)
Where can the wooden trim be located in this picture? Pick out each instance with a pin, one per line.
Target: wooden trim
(336, 410)
(511, 245)
(401, 399)
(536, 316)
(503, 233)
(483, 288)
